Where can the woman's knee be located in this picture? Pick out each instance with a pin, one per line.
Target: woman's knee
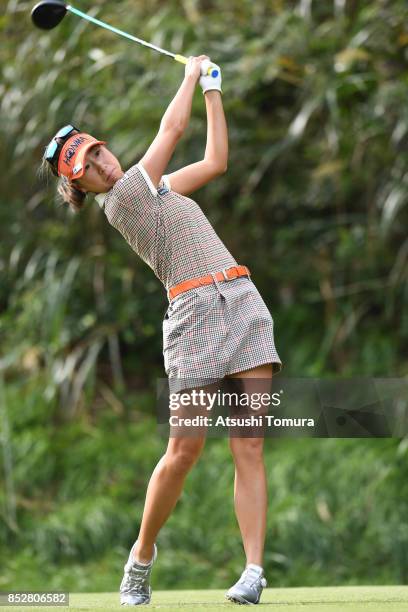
(246, 449)
(182, 453)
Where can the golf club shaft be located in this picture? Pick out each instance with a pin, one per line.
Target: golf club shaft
(178, 58)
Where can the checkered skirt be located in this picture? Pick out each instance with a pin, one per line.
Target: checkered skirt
(215, 330)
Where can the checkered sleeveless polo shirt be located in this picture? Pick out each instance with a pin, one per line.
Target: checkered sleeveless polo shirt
(168, 231)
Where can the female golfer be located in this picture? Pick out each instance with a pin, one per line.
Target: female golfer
(216, 326)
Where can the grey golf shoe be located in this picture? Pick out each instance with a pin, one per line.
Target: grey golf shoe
(249, 587)
(135, 587)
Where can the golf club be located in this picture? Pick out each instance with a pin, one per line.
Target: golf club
(49, 13)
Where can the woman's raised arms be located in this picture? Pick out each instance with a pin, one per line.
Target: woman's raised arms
(192, 177)
(173, 123)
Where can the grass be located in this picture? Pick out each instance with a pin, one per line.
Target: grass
(311, 599)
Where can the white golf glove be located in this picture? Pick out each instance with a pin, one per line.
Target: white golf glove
(209, 82)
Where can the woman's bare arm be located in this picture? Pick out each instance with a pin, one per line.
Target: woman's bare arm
(192, 177)
(173, 123)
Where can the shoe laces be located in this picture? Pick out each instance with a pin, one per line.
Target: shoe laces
(252, 578)
(136, 577)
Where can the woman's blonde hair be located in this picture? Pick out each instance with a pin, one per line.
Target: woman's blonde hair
(68, 193)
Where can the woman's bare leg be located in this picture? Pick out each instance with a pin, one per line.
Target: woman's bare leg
(167, 480)
(164, 489)
(250, 486)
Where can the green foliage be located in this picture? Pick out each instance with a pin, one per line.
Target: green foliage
(314, 202)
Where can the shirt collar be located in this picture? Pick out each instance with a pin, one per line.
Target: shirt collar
(100, 198)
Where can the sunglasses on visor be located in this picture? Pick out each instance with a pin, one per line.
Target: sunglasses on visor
(52, 148)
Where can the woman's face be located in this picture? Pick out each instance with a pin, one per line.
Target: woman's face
(102, 170)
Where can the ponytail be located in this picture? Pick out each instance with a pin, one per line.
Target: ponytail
(70, 195)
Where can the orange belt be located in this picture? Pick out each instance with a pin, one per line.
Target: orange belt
(224, 275)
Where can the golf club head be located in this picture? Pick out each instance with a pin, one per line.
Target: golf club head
(48, 14)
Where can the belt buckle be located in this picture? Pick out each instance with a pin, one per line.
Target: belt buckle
(225, 274)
